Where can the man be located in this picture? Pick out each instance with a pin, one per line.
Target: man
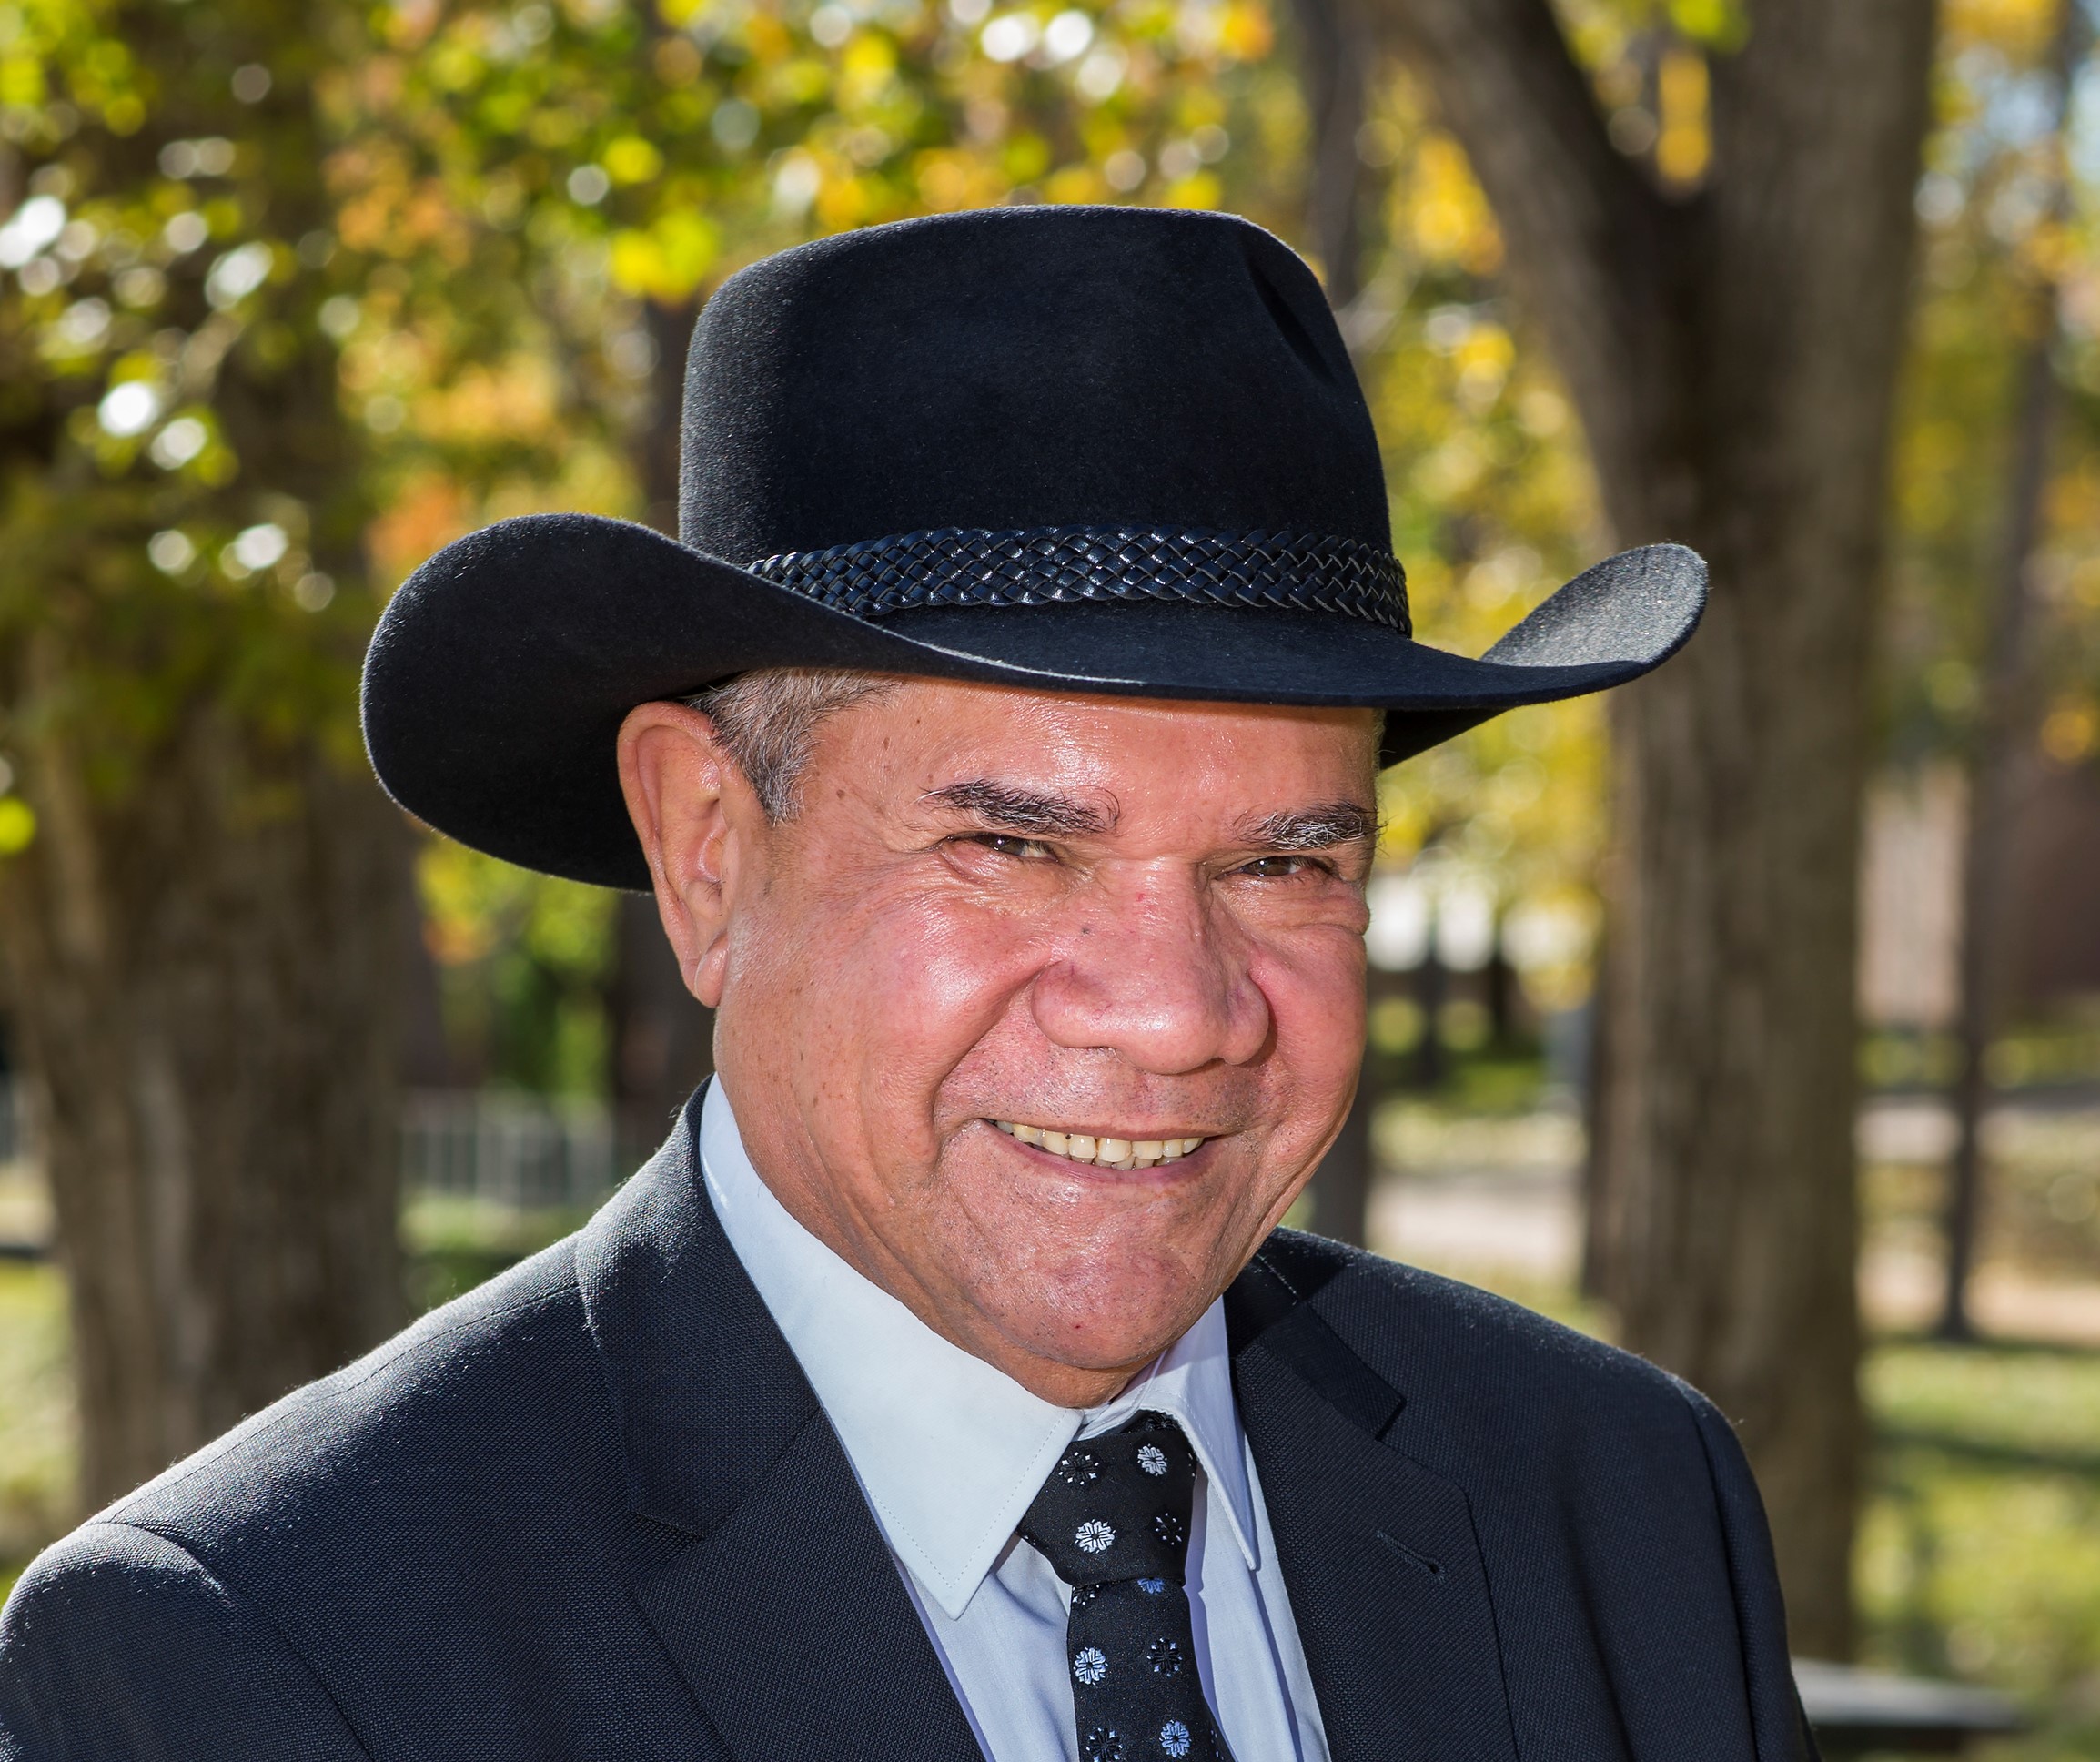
(1000, 744)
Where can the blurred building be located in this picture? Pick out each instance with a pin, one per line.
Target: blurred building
(1910, 892)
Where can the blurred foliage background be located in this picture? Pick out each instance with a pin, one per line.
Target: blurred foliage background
(507, 196)
(292, 295)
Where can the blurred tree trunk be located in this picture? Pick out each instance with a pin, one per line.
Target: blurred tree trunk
(203, 936)
(2005, 727)
(658, 438)
(1432, 984)
(1342, 1185)
(1334, 60)
(1731, 350)
(1596, 1068)
(2001, 741)
(202, 984)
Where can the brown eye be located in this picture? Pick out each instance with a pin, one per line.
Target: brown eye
(1279, 868)
(1007, 844)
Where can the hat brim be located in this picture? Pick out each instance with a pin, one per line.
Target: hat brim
(499, 675)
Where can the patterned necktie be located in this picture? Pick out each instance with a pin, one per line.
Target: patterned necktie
(1113, 1521)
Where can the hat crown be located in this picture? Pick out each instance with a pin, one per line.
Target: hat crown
(1010, 370)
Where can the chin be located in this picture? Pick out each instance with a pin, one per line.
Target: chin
(1089, 1328)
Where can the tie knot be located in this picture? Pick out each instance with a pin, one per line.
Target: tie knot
(1117, 1506)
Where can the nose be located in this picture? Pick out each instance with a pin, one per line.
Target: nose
(1153, 970)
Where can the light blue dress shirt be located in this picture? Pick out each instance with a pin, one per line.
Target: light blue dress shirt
(950, 1453)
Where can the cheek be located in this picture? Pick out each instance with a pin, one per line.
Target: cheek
(945, 972)
(1315, 986)
(889, 993)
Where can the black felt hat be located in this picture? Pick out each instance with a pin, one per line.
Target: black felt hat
(1071, 449)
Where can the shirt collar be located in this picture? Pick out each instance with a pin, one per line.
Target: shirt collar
(949, 1451)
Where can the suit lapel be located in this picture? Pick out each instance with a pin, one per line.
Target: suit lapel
(786, 1613)
(1379, 1554)
(792, 1627)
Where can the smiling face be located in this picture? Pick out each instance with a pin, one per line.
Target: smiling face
(1042, 1008)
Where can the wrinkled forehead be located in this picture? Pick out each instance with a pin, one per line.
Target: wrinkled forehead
(937, 742)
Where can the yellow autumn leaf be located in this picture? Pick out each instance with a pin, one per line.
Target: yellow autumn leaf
(631, 160)
(668, 261)
(17, 824)
(1247, 33)
(1199, 189)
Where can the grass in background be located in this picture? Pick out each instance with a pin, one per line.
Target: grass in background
(37, 1420)
(1979, 1553)
(454, 1244)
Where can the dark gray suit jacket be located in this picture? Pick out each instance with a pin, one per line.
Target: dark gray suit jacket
(592, 1511)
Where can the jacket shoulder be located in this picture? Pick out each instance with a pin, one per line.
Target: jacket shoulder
(1504, 1399)
(1421, 1330)
(450, 1409)
(222, 1681)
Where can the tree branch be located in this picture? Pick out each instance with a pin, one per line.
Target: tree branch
(1583, 226)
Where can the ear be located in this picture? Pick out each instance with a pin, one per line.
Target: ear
(695, 815)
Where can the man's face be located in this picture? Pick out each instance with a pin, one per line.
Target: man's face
(1118, 926)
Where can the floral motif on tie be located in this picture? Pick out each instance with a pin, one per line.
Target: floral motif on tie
(1113, 1521)
(1078, 1467)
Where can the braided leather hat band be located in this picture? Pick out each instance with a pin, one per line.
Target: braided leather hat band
(1049, 565)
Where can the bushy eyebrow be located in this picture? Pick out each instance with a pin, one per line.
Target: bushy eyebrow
(1319, 827)
(1031, 813)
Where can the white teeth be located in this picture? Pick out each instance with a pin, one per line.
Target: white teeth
(1103, 1152)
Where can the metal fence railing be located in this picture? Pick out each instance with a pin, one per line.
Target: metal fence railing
(511, 1150)
(516, 1151)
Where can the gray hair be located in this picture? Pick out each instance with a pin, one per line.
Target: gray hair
(767, 721)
